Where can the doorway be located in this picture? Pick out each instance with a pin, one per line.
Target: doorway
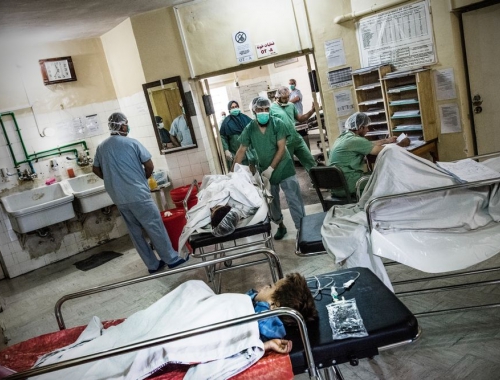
(481, 33)
(242, 86)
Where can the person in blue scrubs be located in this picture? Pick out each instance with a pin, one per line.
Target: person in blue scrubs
(180, 134)
(125, 165)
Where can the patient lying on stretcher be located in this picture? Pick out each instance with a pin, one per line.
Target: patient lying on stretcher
(425, 218)
(240, 195)
(215, 355)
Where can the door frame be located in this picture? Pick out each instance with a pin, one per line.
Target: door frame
(460, 12)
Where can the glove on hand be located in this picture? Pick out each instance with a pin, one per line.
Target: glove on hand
(228, 155)
(268, 173)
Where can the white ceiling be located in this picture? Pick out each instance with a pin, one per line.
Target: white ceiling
(41, 21)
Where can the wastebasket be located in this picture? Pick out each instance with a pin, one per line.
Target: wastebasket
(179, 193)
(174, 225)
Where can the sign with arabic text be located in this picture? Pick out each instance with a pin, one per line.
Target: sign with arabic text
(242, 47)
(265, 49)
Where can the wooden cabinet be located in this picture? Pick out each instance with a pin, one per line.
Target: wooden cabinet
(410, 105)
(370, 98)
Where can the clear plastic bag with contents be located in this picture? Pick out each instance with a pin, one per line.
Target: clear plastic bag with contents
(345, 320)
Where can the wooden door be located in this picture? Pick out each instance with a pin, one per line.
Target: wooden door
(482, 36)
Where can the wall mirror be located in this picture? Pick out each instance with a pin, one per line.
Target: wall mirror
(169, 115)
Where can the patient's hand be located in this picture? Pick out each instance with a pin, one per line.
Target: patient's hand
(281, 346)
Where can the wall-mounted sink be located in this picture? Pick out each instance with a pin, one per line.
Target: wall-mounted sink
(89, 193)
(40, 207)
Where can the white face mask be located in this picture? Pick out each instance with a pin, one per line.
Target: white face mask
(160, 125)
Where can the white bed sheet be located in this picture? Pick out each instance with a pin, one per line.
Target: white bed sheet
(240, 186)
(408, 223)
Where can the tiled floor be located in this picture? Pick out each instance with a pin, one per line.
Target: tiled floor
(464, 345)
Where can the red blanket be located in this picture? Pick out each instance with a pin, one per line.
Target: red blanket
(22, 356)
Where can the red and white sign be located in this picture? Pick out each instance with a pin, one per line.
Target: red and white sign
(265, 49)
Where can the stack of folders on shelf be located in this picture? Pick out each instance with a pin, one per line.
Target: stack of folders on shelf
(468, 170)
(410, 113)
(396, 74)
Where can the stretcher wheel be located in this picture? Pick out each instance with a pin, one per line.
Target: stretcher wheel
(354, 361)
(228, 263)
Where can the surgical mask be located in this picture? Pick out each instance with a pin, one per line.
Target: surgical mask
(159, 125)
(283, 104)
(223, 117)
(183, 110)
(292, 87)
(263, 117)
(234, 111)
(128, 129)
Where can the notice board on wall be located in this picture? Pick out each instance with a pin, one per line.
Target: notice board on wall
(249, 92)
(400, 36)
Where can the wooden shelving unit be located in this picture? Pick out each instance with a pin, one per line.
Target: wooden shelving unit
(370, 98)
(410, 104)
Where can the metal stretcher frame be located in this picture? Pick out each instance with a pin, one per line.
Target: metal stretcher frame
(200, 241)
(271, 255)
(386, 332)
(180, 335)
(375, 201)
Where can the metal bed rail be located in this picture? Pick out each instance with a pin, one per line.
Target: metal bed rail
(375, 201)
(270, 255)
(313, 374)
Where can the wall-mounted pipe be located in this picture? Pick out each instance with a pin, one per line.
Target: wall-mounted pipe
(29, 158)
(34, 155)
(9, 144)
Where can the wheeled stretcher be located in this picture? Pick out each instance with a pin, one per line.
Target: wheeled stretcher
(313, 343)
(256, 233)
(401, 233)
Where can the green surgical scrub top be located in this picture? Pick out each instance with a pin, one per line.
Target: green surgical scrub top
(347, 153)
(265, 146)
(287, 115)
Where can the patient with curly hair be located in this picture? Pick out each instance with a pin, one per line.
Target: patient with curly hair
(292, 292)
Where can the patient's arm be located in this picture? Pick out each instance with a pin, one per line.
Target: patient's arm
(281, 346)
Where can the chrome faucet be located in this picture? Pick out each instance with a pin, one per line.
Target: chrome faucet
(27, 176)
(84, 160)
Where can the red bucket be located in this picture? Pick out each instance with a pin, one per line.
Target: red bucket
(179, 193)
(174, 225)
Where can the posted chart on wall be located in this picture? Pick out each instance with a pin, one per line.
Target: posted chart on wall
(401, 36)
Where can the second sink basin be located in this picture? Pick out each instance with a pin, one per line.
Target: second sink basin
(89, 192)
(37, 208)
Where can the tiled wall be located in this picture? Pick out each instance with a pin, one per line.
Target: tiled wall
(182, 167)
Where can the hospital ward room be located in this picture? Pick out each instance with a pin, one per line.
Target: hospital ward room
(275, 190)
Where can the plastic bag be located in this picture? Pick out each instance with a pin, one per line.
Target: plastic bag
(160, 176)
(227, 225)
(345, 320)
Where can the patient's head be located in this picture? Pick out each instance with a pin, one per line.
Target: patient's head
(291, 291)
(217, 213)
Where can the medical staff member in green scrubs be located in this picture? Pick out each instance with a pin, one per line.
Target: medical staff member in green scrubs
(351, 147)
(267, 135)
(230, 131)
(287, 112)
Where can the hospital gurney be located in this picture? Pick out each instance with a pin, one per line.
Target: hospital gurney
(222, 246)
(449, 250)
(313, 344)
(272, 366)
